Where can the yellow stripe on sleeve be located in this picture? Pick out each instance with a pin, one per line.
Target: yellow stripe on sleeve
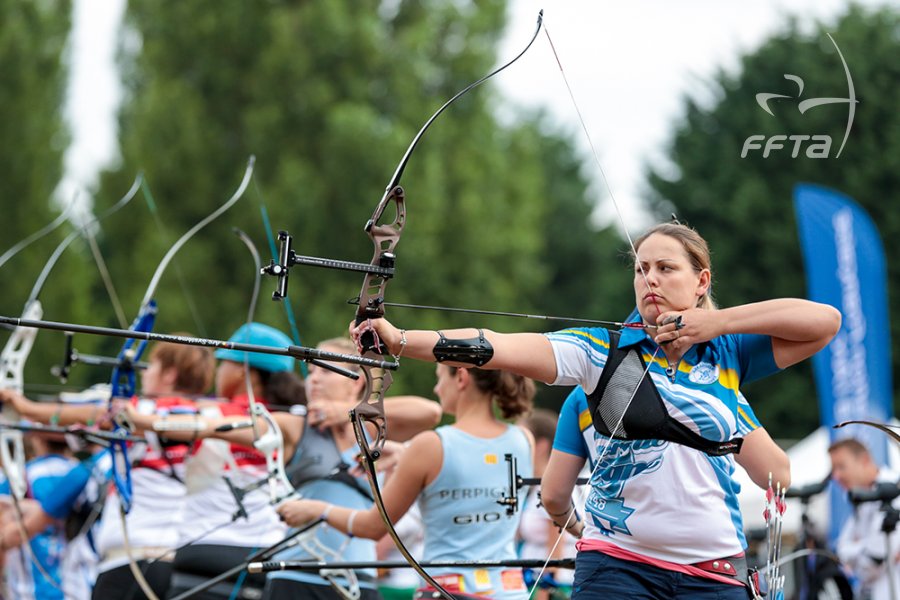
(584, 419)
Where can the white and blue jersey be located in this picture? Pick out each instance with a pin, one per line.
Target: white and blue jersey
(651, 498)
(462, 519)
(42, 557)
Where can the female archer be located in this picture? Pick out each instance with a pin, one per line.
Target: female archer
(659, 412)
(456, 473)
(318, 446)
(174, 375)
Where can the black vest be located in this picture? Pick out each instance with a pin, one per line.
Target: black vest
(645, 416)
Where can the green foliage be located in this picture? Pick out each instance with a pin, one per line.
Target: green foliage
(33, 39)
(743, 206)
(328, 95)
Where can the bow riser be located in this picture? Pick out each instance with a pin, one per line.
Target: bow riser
(17, 349)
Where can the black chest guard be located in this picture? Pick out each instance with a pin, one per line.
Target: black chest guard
(646, 417)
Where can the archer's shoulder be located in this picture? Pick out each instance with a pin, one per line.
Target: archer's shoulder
(576, 401)
(426, 442)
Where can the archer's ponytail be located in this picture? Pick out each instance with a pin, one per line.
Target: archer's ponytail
(513, 393)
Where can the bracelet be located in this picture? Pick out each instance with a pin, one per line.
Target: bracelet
(326, 512)
(350, 523)
(403, 342)
(93, 418)
(54, 419)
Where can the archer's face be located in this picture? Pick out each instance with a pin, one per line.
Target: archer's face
(446, 388)
(851, 470)
(664, 279)
(157, 380)
(230, 379)
(150, 378)
(324, 385)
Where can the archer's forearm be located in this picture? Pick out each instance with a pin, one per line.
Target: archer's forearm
(790, 319)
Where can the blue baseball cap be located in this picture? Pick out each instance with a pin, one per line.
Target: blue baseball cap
(259, 335)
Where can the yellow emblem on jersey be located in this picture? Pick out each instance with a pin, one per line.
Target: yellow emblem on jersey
(491, 459)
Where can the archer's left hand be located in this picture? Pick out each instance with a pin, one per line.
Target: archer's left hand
(299, 512)
(323, 414)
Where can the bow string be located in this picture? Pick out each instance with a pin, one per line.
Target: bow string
(608, 443)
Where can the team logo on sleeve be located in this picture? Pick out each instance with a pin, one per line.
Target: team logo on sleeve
(704, 373)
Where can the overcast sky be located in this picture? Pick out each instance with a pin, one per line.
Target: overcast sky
(629, 64)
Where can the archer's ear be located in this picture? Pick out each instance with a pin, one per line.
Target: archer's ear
(704, 283)
(463, 377)
(169, 376)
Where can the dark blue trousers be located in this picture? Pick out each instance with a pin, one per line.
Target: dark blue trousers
(602, 577)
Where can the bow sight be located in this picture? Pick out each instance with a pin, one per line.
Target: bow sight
(287, 258)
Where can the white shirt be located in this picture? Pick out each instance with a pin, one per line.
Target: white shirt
(861, 547)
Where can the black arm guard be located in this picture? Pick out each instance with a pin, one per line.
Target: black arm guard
(471, 351)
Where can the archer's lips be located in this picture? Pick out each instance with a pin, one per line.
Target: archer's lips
(652, 298)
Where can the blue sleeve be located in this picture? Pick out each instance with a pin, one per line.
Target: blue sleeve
(57, 495)
(4, 487)
(755, 357)
(568, 437)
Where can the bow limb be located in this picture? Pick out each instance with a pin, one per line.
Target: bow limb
(888, 429)
(59, 220)
(385, 237)
(18, 346)
(123, 376)
(245, 181)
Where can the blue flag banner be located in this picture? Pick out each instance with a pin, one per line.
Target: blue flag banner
(845, 268)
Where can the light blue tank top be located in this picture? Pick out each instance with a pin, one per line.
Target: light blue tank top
(460, 512)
